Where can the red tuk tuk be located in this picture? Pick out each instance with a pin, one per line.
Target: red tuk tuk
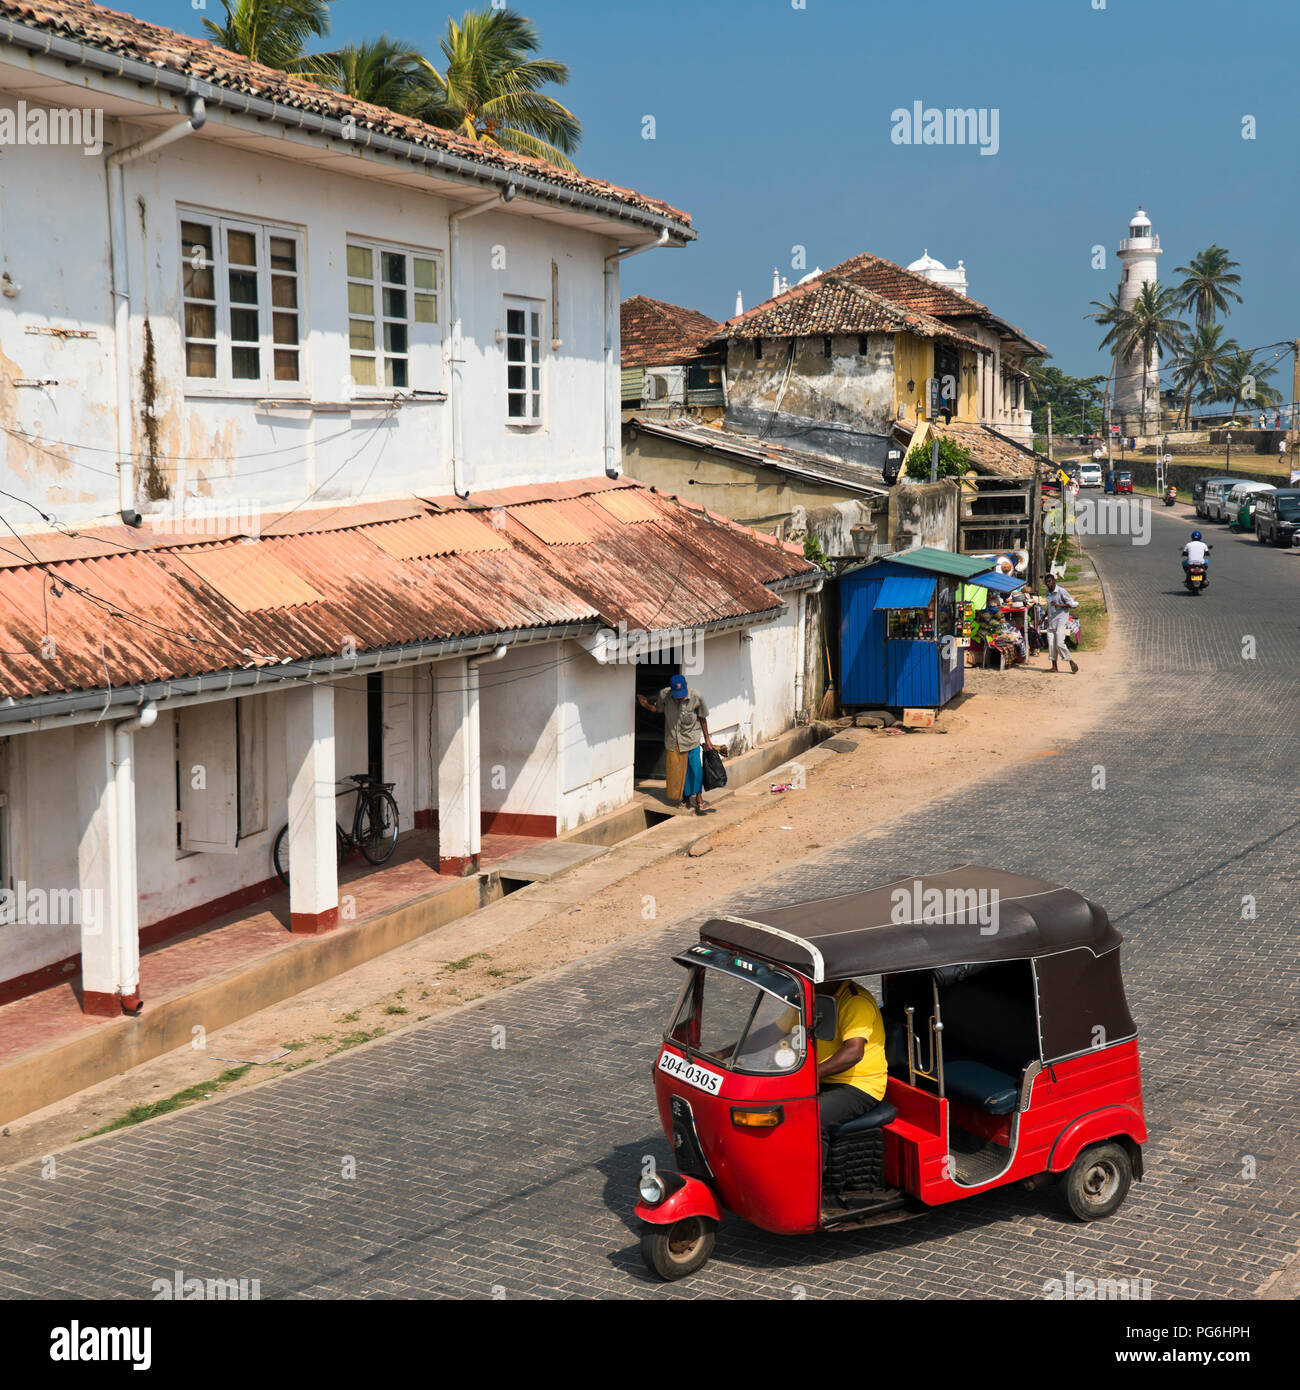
(1012, 1057)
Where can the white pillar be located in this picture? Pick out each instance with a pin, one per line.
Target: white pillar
(97, 870)
(313, 852)
(457, 790)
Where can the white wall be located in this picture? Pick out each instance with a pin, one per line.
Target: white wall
(227, 447)
(518, 726)
(597, 742)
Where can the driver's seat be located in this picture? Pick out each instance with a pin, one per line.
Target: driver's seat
(856, 1161)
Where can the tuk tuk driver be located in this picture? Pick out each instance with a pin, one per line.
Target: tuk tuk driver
(851, 1068)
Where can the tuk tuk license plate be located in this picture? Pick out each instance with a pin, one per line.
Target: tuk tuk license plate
(700, 1077)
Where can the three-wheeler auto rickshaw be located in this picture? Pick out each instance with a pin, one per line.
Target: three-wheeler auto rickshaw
(1012, 1058)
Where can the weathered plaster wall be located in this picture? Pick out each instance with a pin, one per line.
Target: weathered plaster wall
(841, 405)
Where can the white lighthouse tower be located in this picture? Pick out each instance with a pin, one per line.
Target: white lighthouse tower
(1137, 383)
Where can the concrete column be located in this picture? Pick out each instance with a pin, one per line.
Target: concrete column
(457, 788)
(97, 870)
(313, 852)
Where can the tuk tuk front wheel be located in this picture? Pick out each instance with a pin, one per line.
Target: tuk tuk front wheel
(674, 1251)
(1097, 1182)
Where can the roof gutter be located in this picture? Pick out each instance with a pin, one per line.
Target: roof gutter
(145, 74)
(36, 713)
(613, 392)
(120, 280)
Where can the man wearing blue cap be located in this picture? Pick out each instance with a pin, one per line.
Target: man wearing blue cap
(686, 727)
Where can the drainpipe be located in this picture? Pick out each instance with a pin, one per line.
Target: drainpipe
(456, 346)
(121, 293)
(613, 390)
(127, 915)
(472, 750)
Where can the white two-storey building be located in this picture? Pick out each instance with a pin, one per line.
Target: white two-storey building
(309, 449)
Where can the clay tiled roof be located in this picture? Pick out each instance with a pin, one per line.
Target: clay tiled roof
(922, 294)
(833, 304)
(128, 38)
(992, 454)
(655, 333)
(897, 290)
(158, 612)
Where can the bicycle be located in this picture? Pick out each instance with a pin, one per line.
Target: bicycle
(374, 825)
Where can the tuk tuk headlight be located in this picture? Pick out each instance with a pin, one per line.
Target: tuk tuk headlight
(650, 1188)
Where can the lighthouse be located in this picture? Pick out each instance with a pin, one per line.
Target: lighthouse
(1137, 383)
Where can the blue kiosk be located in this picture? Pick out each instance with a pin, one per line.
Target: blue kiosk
(901, 634)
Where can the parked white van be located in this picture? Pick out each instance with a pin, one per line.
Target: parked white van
(1216, 499)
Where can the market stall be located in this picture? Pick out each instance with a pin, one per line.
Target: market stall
(905, 626)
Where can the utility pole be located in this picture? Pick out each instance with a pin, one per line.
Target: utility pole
(934, 460)
(1295, 393)
(1049, 432)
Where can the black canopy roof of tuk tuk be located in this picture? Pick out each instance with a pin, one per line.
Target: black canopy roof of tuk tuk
(921, 922)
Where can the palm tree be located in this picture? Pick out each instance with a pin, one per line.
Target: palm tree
(271, 31)
(382, 71)
(489, 88)
(1108, 316)
(1149, 329)
(1202, 366)
(1207, 285)
(1245, 379)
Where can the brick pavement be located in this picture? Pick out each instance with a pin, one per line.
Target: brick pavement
(483, 1168)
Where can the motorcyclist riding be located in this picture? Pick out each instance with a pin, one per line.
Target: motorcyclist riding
(1196, 552)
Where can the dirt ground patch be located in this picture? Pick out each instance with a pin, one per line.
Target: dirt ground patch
(1002, 718)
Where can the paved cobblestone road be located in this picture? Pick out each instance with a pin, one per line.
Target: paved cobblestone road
(479, 1168)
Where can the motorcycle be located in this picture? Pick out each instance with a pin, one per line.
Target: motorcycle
(1197, 577)
(1171, 495)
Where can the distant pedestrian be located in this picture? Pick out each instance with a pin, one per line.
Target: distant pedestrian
(686, 727)
(1057, 603)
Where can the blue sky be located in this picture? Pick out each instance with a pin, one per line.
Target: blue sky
(773, 130)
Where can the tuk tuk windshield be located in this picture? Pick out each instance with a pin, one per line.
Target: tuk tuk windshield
(727, 1018)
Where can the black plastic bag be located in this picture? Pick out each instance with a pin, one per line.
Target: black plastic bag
(715, 774)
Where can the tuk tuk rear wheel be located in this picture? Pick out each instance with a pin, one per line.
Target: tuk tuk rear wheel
(1097, 1182)
(674, 1251)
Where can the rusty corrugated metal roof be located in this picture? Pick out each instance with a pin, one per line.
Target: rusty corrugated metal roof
(250, 577)
(129, 617)
(449, 534)
(627, 505)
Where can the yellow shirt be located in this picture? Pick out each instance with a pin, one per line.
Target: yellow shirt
(857, 1016)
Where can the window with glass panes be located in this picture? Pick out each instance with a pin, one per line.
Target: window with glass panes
(524, 361)
(242, 297)
(392, 308)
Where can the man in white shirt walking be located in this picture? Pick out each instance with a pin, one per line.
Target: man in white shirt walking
(1057, 603)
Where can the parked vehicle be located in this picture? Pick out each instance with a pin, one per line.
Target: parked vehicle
(1240, 505)
(1199, 487)
(1277, 516)
(374, 825)
(1216, 498)
(1196, 577)
(1171, 495)
(996, 1074)
(1090, 475)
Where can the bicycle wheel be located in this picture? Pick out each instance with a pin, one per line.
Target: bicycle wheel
(281, 855)
(377, 831)
(281, 851)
